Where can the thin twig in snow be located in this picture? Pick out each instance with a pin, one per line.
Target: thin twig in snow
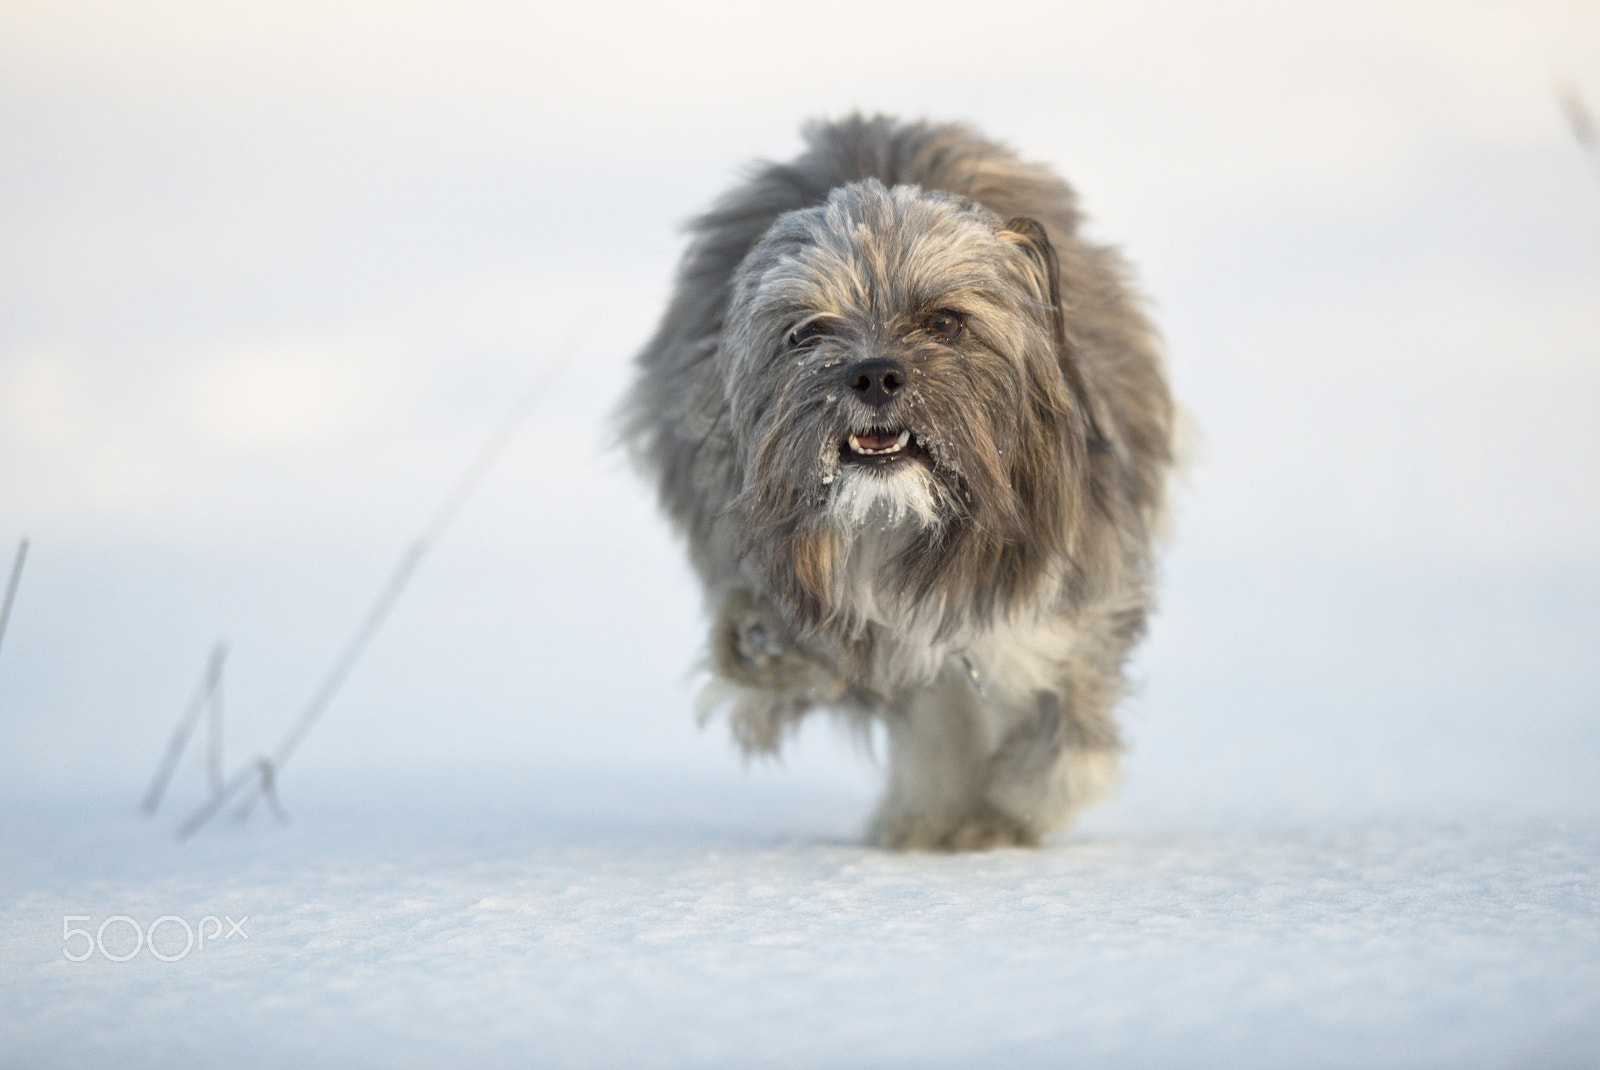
(208, 693)
(214, 732)
(1583, 124)
(260, 777)
(11, 587)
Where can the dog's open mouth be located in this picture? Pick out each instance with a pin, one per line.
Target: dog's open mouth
(880, 446)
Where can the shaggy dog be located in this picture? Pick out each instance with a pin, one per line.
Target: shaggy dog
(916, 431)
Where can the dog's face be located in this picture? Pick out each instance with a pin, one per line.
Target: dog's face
(897, 358)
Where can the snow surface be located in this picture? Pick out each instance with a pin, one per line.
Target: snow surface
(649, 923)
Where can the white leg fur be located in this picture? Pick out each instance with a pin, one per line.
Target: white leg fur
(965, 774)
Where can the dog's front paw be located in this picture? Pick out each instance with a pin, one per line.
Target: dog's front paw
(750, 646)
(766, 681)
(758, 717)
(984, 829)
(759, 641)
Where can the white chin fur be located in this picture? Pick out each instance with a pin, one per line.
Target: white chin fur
(863, 497)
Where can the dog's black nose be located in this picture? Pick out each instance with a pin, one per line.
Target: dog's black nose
(875, 381)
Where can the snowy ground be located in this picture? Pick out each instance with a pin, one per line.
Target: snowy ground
(652, 923)
(271, 273)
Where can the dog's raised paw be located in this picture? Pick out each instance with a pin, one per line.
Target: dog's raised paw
(766, 682)
(759, 640)
(750, 646)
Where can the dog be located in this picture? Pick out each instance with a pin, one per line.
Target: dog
(916, 431)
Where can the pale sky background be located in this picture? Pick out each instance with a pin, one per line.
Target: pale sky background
(271, 273)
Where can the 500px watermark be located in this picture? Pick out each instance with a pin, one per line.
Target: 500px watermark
(128, 937)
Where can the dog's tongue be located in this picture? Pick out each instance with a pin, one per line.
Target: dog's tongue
(878, 441)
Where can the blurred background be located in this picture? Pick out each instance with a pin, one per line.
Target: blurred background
(271, 275)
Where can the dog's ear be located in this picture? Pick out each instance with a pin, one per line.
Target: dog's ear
(1029, 236)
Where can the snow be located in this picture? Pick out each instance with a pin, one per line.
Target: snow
(648, 922)
(512, 927)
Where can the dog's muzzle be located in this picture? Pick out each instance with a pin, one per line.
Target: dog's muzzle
(876, 382)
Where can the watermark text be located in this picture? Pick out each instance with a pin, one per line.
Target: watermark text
(169, 938)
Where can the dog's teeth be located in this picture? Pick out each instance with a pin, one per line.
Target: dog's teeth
(894, 447)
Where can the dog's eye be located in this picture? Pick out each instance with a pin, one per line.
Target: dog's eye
(945, 324)
(805, 335)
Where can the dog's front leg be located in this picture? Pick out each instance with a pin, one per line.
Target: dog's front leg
(762, 675)
(970, 772)
(1056, 758)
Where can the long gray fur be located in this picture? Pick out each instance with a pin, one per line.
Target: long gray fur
(976, 586)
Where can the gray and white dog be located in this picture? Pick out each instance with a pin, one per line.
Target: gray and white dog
(916, 432)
